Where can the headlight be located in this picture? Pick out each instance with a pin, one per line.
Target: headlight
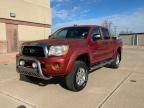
(58, 50)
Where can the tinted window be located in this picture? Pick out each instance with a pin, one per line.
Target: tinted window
(105, 33)
(96, 33)
(72, 32)
(63, 33)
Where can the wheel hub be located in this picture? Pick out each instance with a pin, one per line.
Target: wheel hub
(81, 76)
(117, 60)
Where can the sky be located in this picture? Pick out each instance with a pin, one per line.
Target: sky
(125, 15)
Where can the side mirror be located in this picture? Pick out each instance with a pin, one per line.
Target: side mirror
(96, 37)
(50, 36)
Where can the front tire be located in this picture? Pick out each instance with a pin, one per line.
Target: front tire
(77, 79)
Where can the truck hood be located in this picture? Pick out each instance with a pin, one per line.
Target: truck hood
(57, 42)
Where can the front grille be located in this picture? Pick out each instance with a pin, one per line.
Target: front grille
(34, 51)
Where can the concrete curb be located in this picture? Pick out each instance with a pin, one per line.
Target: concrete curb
(139, 47)
(8, 57)
(4, 59)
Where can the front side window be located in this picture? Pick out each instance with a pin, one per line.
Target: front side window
(96, 33)
(72, 32)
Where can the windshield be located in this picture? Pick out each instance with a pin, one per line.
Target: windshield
(72, 32)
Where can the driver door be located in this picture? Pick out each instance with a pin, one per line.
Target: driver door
(96, 45)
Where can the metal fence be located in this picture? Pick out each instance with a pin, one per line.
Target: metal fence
(135, 39)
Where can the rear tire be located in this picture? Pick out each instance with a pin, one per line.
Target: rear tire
(78, 77)
(116, 63)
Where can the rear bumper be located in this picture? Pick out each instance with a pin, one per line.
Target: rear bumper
(34, 72)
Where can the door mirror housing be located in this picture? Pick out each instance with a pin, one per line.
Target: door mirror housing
(96, 37)
(50, 36)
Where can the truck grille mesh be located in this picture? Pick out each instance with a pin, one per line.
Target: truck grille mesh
(34, 51)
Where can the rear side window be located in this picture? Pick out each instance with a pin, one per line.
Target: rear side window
(105, 33)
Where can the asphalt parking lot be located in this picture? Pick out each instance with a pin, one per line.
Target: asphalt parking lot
(107, 88)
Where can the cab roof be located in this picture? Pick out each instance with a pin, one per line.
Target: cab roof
(84, 26)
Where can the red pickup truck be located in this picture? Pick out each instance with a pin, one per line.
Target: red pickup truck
(70, 52)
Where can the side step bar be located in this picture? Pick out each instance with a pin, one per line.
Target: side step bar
(99, 65)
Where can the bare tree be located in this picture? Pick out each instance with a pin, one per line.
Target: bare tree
(107, 24)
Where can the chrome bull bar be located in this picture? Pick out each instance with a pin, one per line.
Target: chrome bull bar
(31, 71)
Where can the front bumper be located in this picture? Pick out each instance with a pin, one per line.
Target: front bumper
(34, 72)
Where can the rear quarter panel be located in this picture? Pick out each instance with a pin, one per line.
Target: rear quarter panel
(117, 44)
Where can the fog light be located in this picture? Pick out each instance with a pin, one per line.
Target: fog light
(34, 65)
(22, 63)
